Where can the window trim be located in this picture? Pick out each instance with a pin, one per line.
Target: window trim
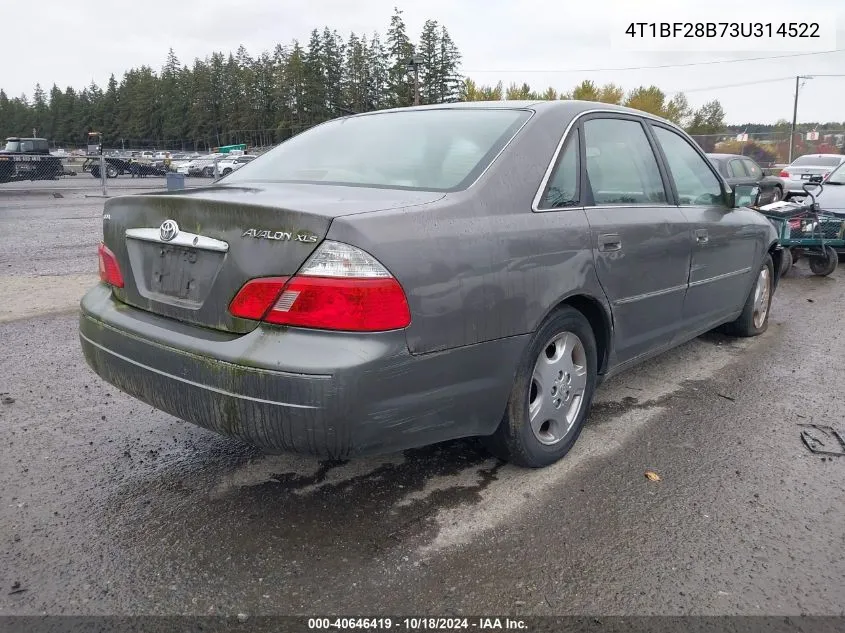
(646, 120)
(723, 184)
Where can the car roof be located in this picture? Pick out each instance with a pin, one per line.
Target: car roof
(726, 156)
(565, 106)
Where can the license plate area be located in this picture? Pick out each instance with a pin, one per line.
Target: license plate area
(178, 275)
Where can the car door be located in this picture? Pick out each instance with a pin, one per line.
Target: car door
(641, 243)
(724, 250)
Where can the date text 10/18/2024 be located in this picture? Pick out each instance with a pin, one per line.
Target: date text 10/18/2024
(418, 624)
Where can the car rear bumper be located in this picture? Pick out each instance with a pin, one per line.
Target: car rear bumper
(329, 394)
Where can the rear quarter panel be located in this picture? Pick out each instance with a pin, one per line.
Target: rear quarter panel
(479, 265)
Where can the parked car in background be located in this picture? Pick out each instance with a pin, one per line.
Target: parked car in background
(228, 165)
(203, 166)
(799, 170)
(742, 170)
(399, 278)
(831, 198)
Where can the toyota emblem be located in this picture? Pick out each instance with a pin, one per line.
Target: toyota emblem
(169, 229)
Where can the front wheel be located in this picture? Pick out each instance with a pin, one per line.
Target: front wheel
(111, 171)
(551, 395)
(825, 265)
(754, 319)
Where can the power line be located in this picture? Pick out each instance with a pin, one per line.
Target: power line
(750, 83)
(739, 85)
(707, 63)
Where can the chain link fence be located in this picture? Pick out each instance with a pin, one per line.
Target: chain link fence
(53, 165)
(771, 149)
(114, 170)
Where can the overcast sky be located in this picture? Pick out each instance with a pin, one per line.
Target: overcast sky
(538, 41)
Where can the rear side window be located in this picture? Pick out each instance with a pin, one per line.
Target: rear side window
(737, 169)
(621, 166)
(695, 181)
(435, 150)
(563, 189)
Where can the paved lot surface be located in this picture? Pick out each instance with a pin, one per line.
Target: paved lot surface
(109, 507)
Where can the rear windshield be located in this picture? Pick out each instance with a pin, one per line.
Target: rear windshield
(817, 161)
(434, 150)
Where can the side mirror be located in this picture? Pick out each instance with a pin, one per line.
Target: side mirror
(744, 196)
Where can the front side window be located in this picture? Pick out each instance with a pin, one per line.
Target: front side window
(695, 181)
(753, 169)
(436, 150)
(563, 189)
(621, 166)
(837, 177)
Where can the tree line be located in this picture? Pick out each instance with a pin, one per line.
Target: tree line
(238, 98)
(708, 119)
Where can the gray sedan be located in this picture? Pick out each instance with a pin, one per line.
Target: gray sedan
(393, 279)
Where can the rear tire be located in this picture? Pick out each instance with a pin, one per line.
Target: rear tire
(823, 266)
(754, 319)
(552, 392)
(777, 194)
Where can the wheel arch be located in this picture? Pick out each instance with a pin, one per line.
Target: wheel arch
(776, 251)
(600, 320)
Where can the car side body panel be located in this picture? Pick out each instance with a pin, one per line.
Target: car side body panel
(480, 265)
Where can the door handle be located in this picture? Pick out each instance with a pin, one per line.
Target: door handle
(610, 242)
(701, 236)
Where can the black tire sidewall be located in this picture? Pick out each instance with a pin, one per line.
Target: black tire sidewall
(786, 262)
(523, 447)
(831, 261)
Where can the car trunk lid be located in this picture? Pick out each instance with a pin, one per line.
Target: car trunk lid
(186, 254)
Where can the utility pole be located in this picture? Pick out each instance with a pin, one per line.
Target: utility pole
(795, 114)
(413, 65)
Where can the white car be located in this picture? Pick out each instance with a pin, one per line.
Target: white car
(203, 166)
(802, 168)
(228, 165)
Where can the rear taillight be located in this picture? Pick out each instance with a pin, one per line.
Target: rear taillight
(109, 269)
(783, 174)
(340, 287)
(825, 176)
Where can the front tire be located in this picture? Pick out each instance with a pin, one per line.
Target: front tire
(552, 393)
(754, 319)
